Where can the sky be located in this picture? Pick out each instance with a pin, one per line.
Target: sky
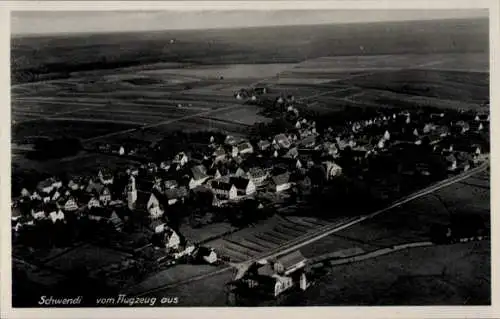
(60, 22)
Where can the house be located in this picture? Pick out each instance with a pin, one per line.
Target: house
(452, 162)
(93, 203)
(105, 196)
(157, 226)
(56, 216)
(198, 176)
(281, 182)
(292, 153)
(274, 277)
(172, 239)
(230, 140)
(175, 195)
(282, 141)
(244, 186)
(308, 142)
(180, 159)
(214, 172)
(239, 172)
(476, 126)
(74, 184)
(94, 187)
(106, 215)
(70, 205)
(171, 183)
(245, 148)
(106, 178)
(205, 254)
(131, 192)
(263, 145)
(224, 189)
(153, 207)
(330, 149)
(219, 154)
(45, 186)
(257, 175)
(234, 151)
(331, 169)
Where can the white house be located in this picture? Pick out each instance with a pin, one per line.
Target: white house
(70, 205)
(244, 186)
(153, 207)
(56, 216)
(172, 240)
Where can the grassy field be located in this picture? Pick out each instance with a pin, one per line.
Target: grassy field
(89, 256)
(442, 275)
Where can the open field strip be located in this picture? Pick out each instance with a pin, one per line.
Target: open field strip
(324, 231)
(160, 123)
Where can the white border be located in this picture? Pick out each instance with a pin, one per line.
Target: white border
(206, 313)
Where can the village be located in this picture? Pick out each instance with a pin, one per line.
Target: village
(246, 179)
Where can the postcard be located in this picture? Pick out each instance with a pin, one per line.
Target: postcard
(236, 159)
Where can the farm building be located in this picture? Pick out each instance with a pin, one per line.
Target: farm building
(272, 278)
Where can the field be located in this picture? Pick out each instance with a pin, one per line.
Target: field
(441, 275)
(88, 256)
(264, 237)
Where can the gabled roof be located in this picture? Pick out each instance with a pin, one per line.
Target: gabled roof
(256, 172)
(239, 182)
(291, 259)
(244, 146)
(219, 184)
(199, 172)
(281, 178)
(175, 193)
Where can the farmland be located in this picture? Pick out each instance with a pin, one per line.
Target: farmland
(96, 95)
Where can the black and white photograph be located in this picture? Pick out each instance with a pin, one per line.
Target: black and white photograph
(257, 157)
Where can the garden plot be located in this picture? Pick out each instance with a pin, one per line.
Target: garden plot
(253, 242)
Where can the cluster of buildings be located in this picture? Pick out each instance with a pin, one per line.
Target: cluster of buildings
(270, 277)
(233, 169)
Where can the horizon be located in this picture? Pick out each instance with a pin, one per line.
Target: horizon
(50, 23)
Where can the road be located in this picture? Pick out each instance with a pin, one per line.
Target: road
(324, 231)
